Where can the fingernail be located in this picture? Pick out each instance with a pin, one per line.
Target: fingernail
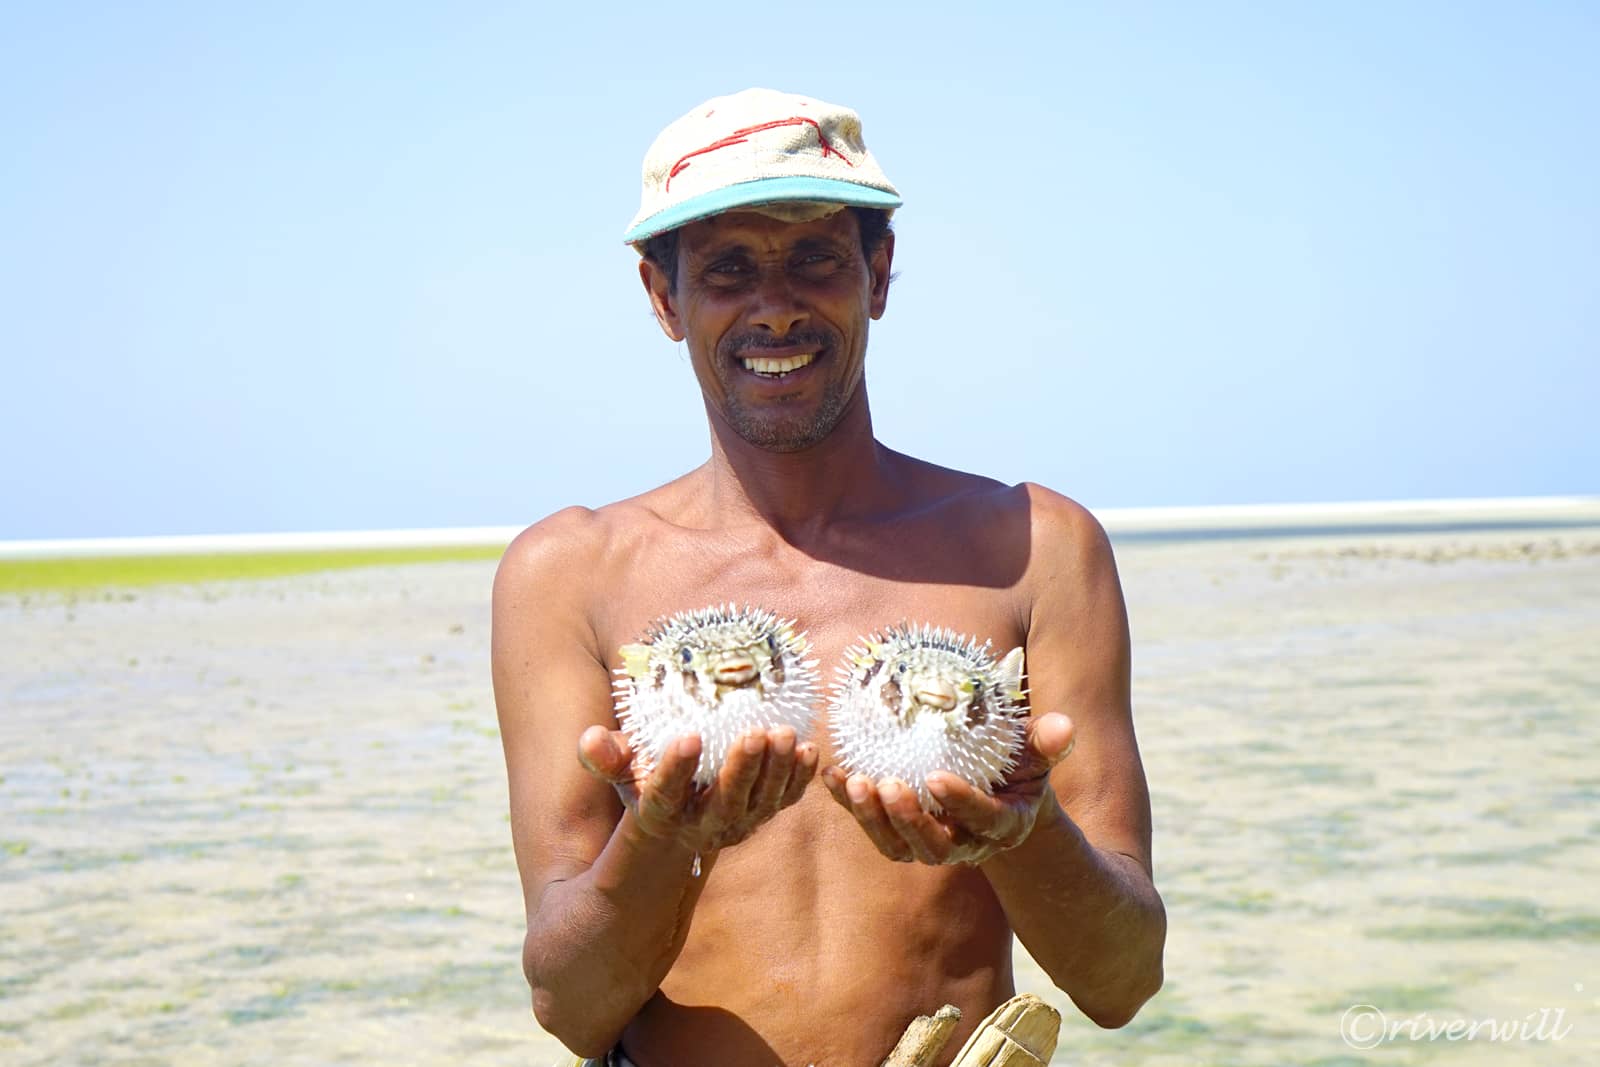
(753, 745)
(889, 791)
(939, 787)
(857, 789)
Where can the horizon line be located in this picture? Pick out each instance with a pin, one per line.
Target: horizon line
(1142, 523)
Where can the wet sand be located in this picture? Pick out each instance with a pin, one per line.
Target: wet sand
(263, 822)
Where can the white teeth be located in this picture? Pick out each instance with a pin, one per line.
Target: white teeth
(778, 366)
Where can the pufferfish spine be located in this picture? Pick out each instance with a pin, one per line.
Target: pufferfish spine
(719, 672)
(914, 700)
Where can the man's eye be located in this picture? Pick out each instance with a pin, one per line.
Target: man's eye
(817, 266)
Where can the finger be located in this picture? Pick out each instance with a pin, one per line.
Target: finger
(867, 807)
(970, 808)
(731, 794)
(667, 792)
(1018, 814)
(606, 754)
(1052, 736)
(964, 802)
(929, 842)
(1048, 740)
(805, 768)
(766, 796)
(835, 781)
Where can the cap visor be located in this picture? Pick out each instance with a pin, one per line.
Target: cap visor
(760, 191)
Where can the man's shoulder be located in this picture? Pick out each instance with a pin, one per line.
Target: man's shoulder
(1061, 533)
(1058, 515)
(573, 542)
(1065, 534)
(538, 562)
(578, 543)
(1054, 517)
(1072, 570)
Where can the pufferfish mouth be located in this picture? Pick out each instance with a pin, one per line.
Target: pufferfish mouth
(735, 672)
(938, 695)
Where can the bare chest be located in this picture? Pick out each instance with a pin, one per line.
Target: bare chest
(922, 578)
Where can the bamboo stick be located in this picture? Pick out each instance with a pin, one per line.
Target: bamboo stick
(924, 1039)
(1022, 1032)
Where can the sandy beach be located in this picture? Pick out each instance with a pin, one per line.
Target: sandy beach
(263, 822)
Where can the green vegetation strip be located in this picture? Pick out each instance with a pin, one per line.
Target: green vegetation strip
(100, 572)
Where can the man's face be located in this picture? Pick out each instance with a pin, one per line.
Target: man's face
(775, 315)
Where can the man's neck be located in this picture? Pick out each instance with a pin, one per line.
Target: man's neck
(798, 494)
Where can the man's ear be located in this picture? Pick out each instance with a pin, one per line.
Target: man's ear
(881, 264)
(663, 301)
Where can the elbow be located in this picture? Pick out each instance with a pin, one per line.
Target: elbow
(568, 1017)
(1116, 1002)
(1115, 1013)
(567, 1023)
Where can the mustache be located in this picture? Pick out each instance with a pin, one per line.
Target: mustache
(736, 345)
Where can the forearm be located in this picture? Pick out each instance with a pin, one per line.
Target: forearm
(1092, 919)
(599, 944)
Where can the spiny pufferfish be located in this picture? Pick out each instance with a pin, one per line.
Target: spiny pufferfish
(719, 672)
(914, 700)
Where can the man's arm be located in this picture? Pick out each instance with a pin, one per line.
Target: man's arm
(1066, 843)
(606, 858)
(1079, 889)
(591, 959)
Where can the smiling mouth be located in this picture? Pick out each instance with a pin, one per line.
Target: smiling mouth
(776, 368)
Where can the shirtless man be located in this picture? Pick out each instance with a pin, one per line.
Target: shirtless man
(824, 916)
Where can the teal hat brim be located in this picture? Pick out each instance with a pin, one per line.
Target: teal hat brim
(761, 191)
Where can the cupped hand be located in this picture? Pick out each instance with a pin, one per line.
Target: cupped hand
(974, 825)
(765, 772)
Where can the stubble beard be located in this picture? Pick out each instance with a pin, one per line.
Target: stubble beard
(787, 433)
(776, 431)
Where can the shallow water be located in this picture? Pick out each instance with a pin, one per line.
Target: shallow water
(263, 822)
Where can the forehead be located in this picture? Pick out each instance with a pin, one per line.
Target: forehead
(756, 232)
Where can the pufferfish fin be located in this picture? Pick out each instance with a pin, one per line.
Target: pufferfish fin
(635, 660)
(1011, 674)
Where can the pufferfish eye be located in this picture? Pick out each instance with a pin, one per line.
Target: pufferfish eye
(685, 655)
(900, 668)
(772, 643)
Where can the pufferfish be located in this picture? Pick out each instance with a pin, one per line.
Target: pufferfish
(914, 700)
(719, 672)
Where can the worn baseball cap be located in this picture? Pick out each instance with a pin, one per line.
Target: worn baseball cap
(758, 150)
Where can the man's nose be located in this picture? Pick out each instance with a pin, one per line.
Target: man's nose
(777, 307)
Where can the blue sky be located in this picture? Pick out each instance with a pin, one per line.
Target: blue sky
(348, 266)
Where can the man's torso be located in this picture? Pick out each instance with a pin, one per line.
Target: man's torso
(808, 946)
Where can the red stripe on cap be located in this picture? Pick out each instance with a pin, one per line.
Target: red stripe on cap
(740, 136)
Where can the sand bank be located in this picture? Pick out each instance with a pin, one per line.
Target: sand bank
(263, 821)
